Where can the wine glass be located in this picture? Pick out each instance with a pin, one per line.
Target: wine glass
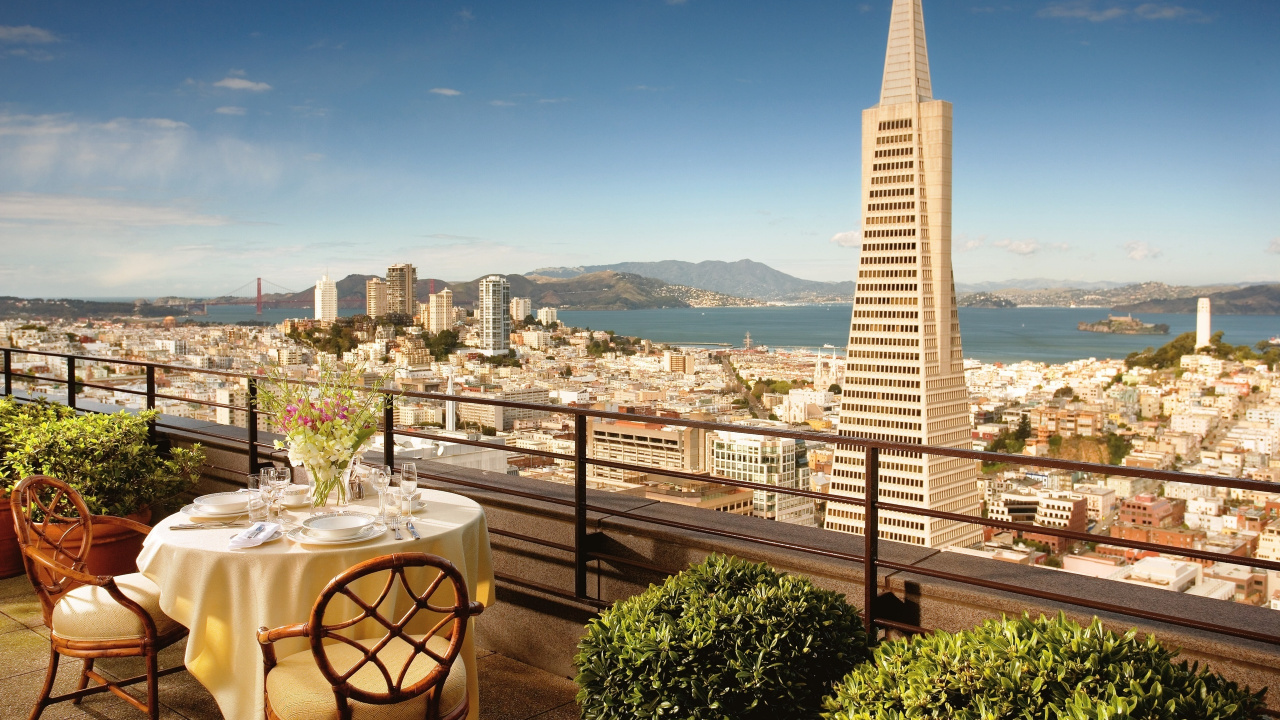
(280, 480)
(380, 477)
(408, 485)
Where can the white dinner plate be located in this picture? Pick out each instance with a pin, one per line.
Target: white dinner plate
(194, 510)
(300, 535)
(223, 502)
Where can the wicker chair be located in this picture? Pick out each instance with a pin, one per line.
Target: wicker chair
(394, 676)
(90, 616)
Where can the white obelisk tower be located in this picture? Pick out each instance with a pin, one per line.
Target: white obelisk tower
(1203, 331)
(904, 375)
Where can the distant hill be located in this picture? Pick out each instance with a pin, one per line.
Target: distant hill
(1252, 300)
(1035, 284)
(742, 278)
(70, 309)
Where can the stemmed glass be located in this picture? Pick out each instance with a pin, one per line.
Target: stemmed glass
(380, 477)
(408, 486)
(280, 479)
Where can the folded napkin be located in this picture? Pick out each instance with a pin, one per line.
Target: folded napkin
(257, 534)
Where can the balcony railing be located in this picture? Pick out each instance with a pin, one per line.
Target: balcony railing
(584, 551)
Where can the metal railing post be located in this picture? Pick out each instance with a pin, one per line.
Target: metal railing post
(580, 505)
(252, 407)
(8, 371)
(151, 399)
(388, 432)
(871, 542)
(71, 382)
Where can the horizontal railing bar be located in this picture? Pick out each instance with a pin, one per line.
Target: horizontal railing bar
(548, 590)
(1082, 602)
(633, 563)
(206, 403)
(233, 443)
(481, 443)
(530, 539)
(900, 626)
(717, 480)
(504, 491)
(1083, 537)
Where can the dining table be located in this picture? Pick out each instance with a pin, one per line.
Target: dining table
(223, 596)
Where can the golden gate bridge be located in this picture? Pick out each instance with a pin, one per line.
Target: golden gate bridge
(232, 298)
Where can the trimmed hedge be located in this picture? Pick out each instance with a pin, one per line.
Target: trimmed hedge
(1050, 669)
(726, 639)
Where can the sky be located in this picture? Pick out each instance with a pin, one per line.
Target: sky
(161, 148)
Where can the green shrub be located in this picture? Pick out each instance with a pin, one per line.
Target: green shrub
(1050, 669)
(106, 458)
(725, 639)
(16, 418)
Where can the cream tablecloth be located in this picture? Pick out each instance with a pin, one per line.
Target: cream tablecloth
(224, 596)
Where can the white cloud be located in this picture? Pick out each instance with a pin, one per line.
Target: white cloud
(848, 238)
(465, 15)
(447, 92)
(964, 243)
(1160, 11)
(501, 103)
(1139, 250)
(1274, 247)
(26, 34)
(1082, 10)
(73, 210)
(230, 110)
(1027, 247)
(548, 101)
(239, 83)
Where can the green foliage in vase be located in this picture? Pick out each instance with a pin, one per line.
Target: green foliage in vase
(108, 459)
(725, 639)
(1043, 669)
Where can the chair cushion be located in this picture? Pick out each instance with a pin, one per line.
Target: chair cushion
(297, 691)
(90, 613)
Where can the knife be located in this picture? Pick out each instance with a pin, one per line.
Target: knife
(256, 531)
(207, 526)
(413, 530)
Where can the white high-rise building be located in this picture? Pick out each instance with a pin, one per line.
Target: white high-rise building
(904, 374)
(547, 315)
(326, 300)
(521, 308)
(375, 297)
(400, 294)
(1203, 331)
(493, 311)
(772, 463)
(440, 311)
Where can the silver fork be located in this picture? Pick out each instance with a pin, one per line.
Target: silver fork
(395, 527)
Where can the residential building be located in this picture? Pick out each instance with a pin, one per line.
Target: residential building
(521, 308)
(653, 444)
(1151, 511)
(770, 462)
(375, 297)
(1269, 542)
(400, 289)
(904, 370)
(440, 311)
(1159, 572)
(493, 312)
(547, 315)
(674, 362)
(326, 300)
(1100, 500)
(501, 418)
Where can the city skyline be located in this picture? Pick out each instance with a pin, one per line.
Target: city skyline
(692, 133)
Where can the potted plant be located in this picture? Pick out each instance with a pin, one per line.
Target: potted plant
(726, 638)
(1043, 668)
(109, 461)
(15, 417)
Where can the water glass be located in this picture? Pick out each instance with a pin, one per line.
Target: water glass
(257, 497)
(380, 478)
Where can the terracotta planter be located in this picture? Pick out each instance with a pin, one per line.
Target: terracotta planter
(10, 555)
(115, 549)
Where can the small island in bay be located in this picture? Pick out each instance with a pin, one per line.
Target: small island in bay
(1124, 325)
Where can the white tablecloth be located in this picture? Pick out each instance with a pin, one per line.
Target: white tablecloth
(223, 596)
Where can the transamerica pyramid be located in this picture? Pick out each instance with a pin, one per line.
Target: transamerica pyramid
(904, 373)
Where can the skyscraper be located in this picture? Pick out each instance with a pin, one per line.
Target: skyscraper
(904, 374)
(1203, 323)
(400, 282)
(494, 313)
(375, 297)
(326, 300)
(440, 311)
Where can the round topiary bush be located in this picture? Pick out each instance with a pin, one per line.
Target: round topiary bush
(725, 639)
(1051, 669)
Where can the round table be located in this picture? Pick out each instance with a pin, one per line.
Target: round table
(223, 596)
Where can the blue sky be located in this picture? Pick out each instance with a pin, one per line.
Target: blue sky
(185, 148)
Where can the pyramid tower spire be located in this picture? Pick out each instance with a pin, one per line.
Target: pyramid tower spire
(906, 61)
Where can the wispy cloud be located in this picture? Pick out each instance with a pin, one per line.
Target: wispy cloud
(1274, 247)
(465, 15)
(848, 238)
(964, 243)
(1093, 12)
(239, 83)
(327, 44)
(73, 210)
(1027, 247)
(501, 103)
(455, 238)
(310, 110)
(447, 92)
(26, 34)
(231, 110)
(549, 101)
(649, 88)
(1139, 250)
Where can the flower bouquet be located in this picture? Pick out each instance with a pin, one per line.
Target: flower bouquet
(327, 423)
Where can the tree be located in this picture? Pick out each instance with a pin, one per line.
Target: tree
(1024, 429)
(835, 389)
(1065, 391)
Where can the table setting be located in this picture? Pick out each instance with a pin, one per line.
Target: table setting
(229, 563)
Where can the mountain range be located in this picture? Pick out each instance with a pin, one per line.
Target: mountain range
(742, 278)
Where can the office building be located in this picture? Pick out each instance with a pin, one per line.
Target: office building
(674, 362)
(493, 313)
(521, 308)
(400, 294)
(904, 374)
(1203, 331)
(326, 300)
(440, 311)
(655, 445)
(375, 297)
(547, 315)
(772, 463)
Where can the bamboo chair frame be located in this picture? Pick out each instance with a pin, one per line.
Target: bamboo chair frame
(453, 622)
(56, 569)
